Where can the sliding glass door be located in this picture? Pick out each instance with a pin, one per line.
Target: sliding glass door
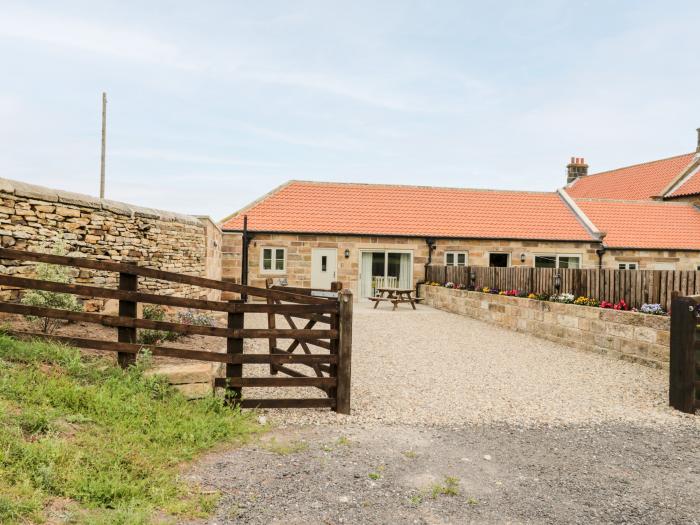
(385, 269)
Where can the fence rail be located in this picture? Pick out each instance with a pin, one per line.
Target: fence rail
(333, 310)
(636, 287)
(684, 365)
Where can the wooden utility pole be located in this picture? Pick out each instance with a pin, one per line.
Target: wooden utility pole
(104, 144)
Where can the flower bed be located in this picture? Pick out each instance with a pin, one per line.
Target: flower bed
(565, 298)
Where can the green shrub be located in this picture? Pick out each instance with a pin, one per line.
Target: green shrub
(62, 301)
(155, 312)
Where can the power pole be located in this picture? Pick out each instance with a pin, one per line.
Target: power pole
(104, 144)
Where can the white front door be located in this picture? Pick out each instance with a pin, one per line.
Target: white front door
(323, 267)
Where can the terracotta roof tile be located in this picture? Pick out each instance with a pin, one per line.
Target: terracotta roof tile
(641, 181)
(375, 209)
(645, 224)
(691, 186)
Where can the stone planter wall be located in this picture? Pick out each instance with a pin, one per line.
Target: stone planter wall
(34, 217)
(633, 336)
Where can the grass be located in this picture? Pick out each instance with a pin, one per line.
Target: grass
(105, 442)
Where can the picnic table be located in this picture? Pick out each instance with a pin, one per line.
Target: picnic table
(395, 296)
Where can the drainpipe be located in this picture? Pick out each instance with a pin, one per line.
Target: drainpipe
(246, 238)
(601, 251)
(431, 246)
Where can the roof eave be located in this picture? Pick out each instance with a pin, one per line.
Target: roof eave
(407, 236)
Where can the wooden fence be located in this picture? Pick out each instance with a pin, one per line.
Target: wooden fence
(684, 366)
(636, 287)
(332, 309)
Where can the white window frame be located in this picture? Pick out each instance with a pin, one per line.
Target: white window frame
(273, 259)
(626, 265)
(510, 258)
(556, 258)
(455, 254)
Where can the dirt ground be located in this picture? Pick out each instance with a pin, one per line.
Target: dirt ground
(472, 474)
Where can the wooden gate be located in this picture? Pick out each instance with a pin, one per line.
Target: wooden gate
(335, 338)
(684, 366)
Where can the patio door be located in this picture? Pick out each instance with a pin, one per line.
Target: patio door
(381, 267)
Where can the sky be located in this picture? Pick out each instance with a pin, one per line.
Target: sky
(213, 104)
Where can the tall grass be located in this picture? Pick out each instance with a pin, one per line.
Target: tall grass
(105, 442)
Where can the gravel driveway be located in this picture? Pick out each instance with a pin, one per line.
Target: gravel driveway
(458, 421)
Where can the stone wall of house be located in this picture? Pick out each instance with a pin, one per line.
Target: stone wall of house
(34, 218)
(299, 247)
(653, 259)
(632, 336)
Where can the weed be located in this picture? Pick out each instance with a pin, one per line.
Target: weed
(110, 440)
(411, 454)
(449, 487)
(154, 312)
(415, 499)
(374, 475)
(472, 501)
(196, 318)
(46, 299)
(343, 441)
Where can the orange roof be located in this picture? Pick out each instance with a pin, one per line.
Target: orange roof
(375, 209)
(641, 181)
(690, 186)
(645, 224)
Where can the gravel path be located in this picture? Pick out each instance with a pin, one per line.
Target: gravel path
(458, 421)
(431, 367)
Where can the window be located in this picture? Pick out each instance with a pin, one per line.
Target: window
(273, 260)
(456, 258)
(556, 260)
(499, 260)
(627, 266)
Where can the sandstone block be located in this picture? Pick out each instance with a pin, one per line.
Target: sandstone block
(67, 212)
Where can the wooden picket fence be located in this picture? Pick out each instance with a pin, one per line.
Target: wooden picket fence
(332, 309)
(636, 287)
(684, 365)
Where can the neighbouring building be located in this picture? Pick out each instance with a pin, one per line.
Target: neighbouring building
(312, 233)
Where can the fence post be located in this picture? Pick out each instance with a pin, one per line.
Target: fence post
(127, 282)
(271, 320)
(234, 345)
(681, 391)
(342, 397)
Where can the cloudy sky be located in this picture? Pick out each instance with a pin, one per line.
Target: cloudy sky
(212, 104)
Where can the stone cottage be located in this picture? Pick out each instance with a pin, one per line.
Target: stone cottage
(312, 233)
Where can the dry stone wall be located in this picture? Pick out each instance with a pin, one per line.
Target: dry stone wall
(632, 336)
(34, 218)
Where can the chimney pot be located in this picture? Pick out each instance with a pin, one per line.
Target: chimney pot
(697, 149)
(576, 168)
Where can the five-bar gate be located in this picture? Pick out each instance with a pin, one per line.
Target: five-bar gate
(332, 341)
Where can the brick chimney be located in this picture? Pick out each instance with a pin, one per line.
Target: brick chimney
(575, 169)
